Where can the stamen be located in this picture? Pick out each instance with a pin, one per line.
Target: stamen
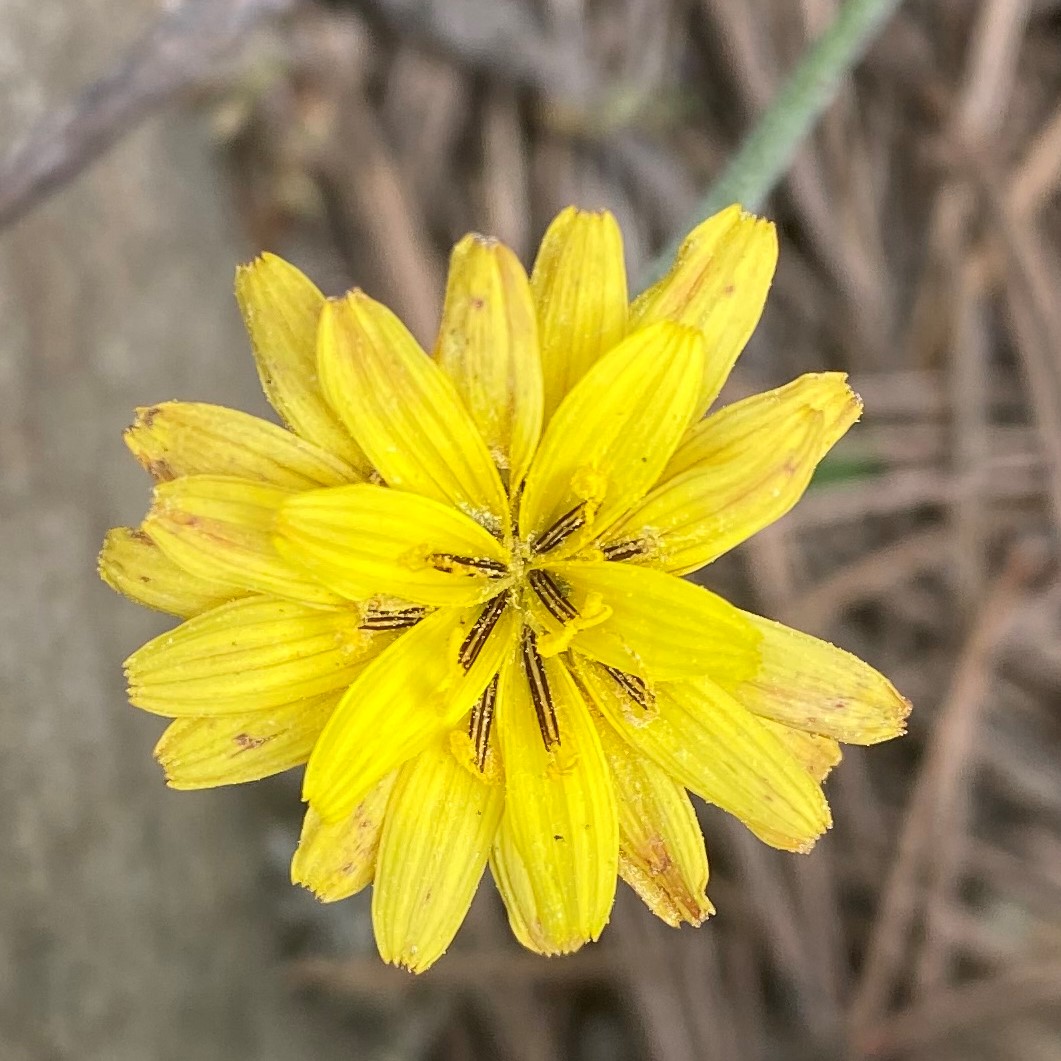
(541, 694)
(481, 722)
(563, 528)
(624, 550)
(392, 618)
(468, 565)
(480, 632)
(634, 687)
(552, 596)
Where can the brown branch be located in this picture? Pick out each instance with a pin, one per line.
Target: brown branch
(179, 50)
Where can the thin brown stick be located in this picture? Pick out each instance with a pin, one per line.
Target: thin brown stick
(372, 199)
(506, 192)
(991, 72)
(185, 46)
(1039, 173)
(971, 356)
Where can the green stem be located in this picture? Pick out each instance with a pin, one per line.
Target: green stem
(768, 151)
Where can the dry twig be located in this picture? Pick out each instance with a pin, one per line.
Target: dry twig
(185, 46)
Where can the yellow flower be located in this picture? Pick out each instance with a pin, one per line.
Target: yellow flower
(451, 586)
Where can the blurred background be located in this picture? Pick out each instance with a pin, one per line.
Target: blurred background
(153, 146)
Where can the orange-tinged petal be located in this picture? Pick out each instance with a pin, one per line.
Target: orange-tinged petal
(230, 749)
(404, 411)
(437, 836)
(718, 283)
(253, 654)
(659, 627)
(405, 698)
(131, 563)
(613, 434)
(559, 808)
(812, 685)
(817, 754)
(714, 747)
(335, 860)
(579, 285)
(281, 308)
(764, 420)
(192, 438)
(488, 346)
(220, 528)
(661, 848)
(364, 540)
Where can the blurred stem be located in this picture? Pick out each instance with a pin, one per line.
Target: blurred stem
(768, 150)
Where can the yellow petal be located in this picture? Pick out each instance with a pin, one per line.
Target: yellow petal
(710, 744)
(764, 421)
(363, 540)
(281, 309)
(220, 528)
(190, 438)
(488, 346)
(755, 459)
(336, 860)
(404, 411)
(514, 886)
(437, 836)
(660, 626)
(696, 517)
(811, 685)
(131, 563)
(614, 433)
(253, 654)
(718, 283)
(817, 754)
(579, 285)
(661, 848)
(560, 809)
(408, 695)
(230, 749)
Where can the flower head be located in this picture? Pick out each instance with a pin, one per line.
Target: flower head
(452, 586)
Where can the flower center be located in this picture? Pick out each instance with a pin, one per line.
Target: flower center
(539, 597)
